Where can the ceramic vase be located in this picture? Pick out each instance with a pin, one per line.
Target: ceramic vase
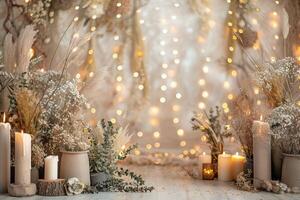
(291, 170)
(75, 164)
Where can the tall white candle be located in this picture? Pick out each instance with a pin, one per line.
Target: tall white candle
(22, 158)
(51, 167)
(203, 158)
(4, 155)
(261, 152)
(224, 167)
(238, 163)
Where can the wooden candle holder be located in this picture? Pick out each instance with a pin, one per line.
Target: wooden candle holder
(51, 187)
(22, 190)
(208, 171)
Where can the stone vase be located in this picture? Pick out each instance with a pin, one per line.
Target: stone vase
(291, 170)
(99, 178)
(75, 164)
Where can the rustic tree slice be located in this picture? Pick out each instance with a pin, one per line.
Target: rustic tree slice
(21, 190)
(51, 187)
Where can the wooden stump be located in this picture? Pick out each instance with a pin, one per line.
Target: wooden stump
(51, 187)
(21, 190)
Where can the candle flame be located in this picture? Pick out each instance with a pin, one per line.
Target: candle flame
(237, 153)
(224, 153)
(4, 118)
(261, 118)
(204, 153)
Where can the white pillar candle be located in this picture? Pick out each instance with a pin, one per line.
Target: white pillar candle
(238, 163)
(224, 167)
(261, 152)
(203, 158)
(22, 158)
(51, 167)
(4, 155)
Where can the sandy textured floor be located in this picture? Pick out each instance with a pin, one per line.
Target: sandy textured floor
(172, 184)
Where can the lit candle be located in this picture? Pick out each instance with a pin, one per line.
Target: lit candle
(238, 163)
(261, 152)
(22, 158)
(224, 167)
(4, 155)
(51, 169)
(203, 158)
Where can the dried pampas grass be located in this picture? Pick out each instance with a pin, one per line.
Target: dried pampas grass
(24, 44)
(26, 102)
(17, 54)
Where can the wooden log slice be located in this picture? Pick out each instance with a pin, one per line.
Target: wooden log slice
(51, 187)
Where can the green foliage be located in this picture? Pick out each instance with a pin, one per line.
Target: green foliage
(118, 184)
(103, 158)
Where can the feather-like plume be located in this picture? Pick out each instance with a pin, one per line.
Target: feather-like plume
(122, 139)
(24, 44)
(286, 25)
(9, 56)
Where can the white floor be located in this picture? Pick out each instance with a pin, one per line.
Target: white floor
(171, 183)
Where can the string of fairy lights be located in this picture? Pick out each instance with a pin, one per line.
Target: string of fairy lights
(170, 93)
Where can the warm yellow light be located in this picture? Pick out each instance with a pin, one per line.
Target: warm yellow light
(176, 108)
(93, 110)
(230, 96)
(153, 110)
(173, 84)
(119, 112)
(162, 100)
(135, 74)
(119, 67)
(163, 88)
(156, 134)
(175, 120)
(205, 69)
(180, 132)
(182, 143)
(201, 105)
(141, 87)
(205, 94)
(156, 144)
(229, 60)
(178, 95)
(148, 146)
(113, 120)
(234, 73)
(140, 134)
(201, 82)
(226, 84)
(203, 138)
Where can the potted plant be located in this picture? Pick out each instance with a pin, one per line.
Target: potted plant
(214, 129)
(279, 83)
(285, 124)
(74, 153)
(108, 146)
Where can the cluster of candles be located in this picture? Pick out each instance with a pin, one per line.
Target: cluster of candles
(229, 166)
(22, 159)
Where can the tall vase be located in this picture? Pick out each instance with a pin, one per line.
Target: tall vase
(290, 170)
(75, 164)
